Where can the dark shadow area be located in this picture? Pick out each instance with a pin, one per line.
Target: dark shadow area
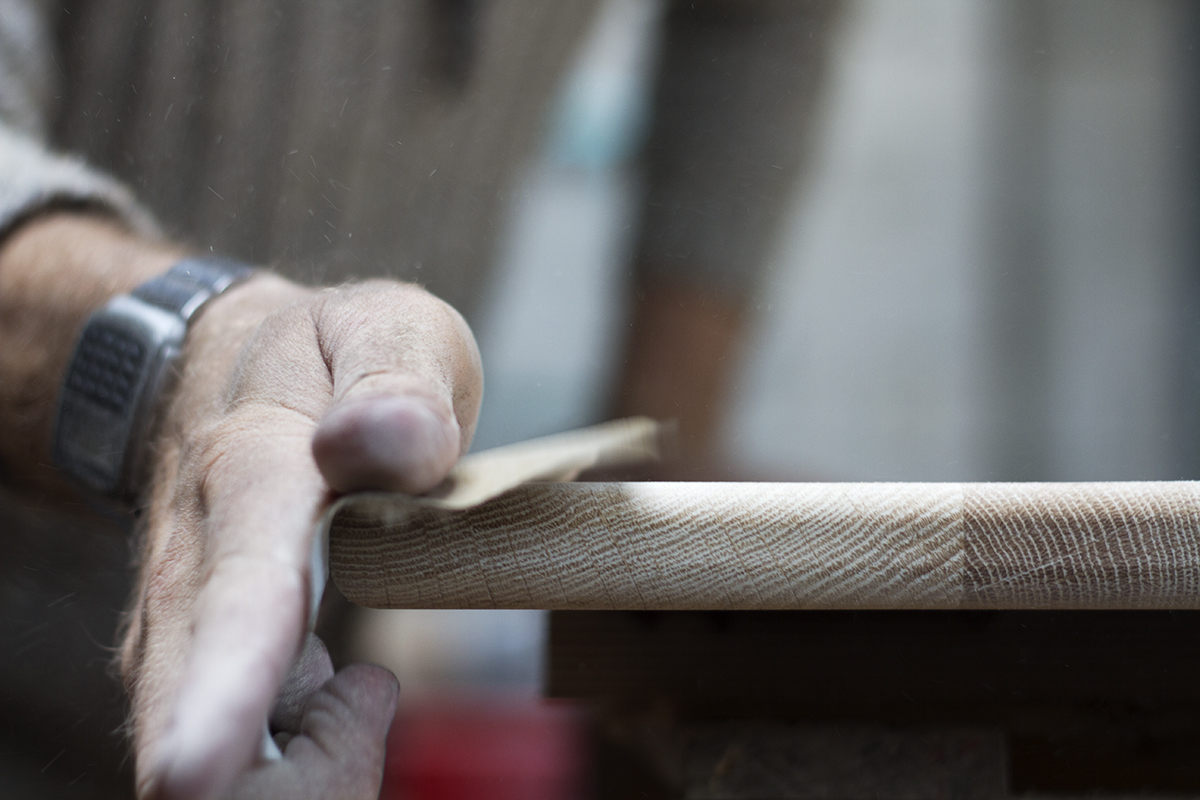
(1088, 701)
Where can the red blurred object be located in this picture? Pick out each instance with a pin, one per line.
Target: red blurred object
(498, 749)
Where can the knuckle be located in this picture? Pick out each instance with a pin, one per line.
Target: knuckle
(328, 708)
(388, 302)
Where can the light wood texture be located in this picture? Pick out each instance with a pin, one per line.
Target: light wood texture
(777, 546)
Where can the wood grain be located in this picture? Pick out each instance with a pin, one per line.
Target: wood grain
(778, 546)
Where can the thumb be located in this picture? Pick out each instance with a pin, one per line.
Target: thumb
(407, 383)
(389, 442)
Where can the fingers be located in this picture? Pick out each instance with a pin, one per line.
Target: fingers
(348, 720)
(340, 752)
(310, 672)
(406, 389)
(263, 494)
(237, 659)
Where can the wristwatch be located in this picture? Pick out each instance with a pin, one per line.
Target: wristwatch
(123, 364)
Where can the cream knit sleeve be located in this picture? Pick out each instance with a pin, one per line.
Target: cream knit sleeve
(32, 177)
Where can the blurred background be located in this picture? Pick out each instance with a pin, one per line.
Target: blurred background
(983, 272)
(984, 269)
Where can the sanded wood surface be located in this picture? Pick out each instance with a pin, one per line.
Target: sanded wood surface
(778, 546)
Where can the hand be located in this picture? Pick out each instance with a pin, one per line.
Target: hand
(288, 396)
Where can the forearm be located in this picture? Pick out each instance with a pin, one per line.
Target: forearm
(54, 271)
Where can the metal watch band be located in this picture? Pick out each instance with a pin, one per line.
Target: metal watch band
(191, 283)
(122, 365)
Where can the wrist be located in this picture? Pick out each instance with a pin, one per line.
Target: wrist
(122, 370)
(55, 270)
(76, 260)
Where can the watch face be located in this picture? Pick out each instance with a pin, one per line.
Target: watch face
(108, 363)
(105, 410)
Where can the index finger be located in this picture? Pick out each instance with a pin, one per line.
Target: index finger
(263, 495)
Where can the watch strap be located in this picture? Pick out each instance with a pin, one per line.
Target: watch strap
(189, 284)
